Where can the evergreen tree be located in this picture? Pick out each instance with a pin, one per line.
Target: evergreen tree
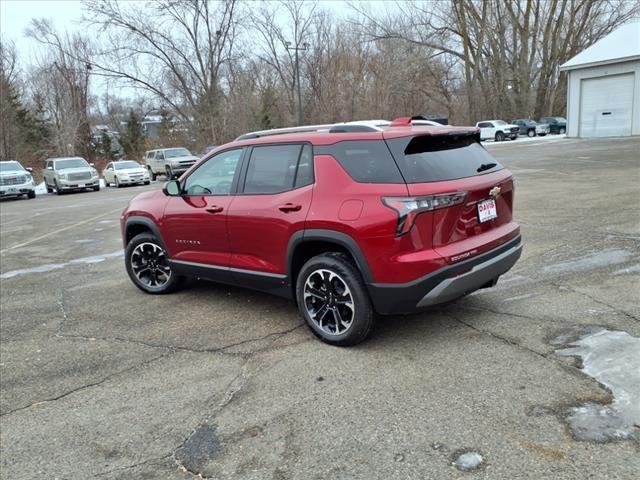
(132, 140)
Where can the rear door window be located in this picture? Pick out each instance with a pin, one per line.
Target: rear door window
(272, 169)
(443, 157)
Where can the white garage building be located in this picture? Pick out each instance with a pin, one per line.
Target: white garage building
(603, 95)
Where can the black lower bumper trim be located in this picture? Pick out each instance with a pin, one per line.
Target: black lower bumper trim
(447, 283)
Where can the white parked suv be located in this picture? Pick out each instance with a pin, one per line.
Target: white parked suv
(69, 173)
(497, 130)
(15, 180)
(171, 162)
(125, 172)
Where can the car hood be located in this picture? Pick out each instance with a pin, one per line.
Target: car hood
(510, 125)
(542, 125)
(13, 173)
(186, 157)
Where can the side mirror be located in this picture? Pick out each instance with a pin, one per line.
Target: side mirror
(49, 168)
(92, 164)
(29, 169)
(171, 188)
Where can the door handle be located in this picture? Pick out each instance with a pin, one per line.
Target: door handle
(214, 209)
(290, 207)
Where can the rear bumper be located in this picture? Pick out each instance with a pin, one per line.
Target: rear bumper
(447, 283)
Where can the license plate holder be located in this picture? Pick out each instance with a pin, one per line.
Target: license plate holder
(487, 210)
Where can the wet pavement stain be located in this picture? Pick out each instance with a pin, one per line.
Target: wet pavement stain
(199, 448)
(613, 359)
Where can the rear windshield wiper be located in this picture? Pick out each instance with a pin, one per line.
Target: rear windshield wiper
(486, 166)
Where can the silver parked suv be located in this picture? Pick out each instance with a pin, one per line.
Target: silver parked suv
(171, 162)
(69, 173)
(16, 180)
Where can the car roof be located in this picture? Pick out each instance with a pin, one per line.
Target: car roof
(64, 158)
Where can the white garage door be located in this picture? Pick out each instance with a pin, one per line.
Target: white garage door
(606, 106)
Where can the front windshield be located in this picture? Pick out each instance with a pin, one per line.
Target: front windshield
(177, 152)
(500, 122)
(9, 166)
(127, 164)
(561, 119)
(71, 163)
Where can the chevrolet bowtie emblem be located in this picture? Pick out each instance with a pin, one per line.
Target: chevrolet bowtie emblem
(495, 192)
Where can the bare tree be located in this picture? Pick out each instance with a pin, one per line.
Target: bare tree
(509, 53)
(60, 86)
(175, 51)
(284, 31)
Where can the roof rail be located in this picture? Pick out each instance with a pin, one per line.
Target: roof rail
(357, 126)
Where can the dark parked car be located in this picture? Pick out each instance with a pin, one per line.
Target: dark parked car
(556, 124)
(531, 128)
(346, 220)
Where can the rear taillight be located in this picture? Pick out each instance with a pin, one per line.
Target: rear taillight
(408, 208)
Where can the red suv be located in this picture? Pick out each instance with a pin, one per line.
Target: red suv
(348, 220)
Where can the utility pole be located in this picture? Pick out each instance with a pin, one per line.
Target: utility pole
(298, 48)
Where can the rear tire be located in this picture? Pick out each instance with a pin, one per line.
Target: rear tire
(499, 137)
(333, 300)
(146, 262)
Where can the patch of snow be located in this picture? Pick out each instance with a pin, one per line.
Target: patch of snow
(41, 189)
(632, 269)
(539, 140)
(520, 297)
(468, 461)
(613, 359)
(590, 261)
(56, 266)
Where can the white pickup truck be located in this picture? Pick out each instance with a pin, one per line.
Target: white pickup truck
(171, 162)
(497, 130)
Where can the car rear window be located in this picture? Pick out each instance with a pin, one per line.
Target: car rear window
(366, 161)
(443, 157)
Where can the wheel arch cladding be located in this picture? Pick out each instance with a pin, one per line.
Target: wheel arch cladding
(136, 225)
(309, 243)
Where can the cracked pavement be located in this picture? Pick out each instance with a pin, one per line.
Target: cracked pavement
(100, 380)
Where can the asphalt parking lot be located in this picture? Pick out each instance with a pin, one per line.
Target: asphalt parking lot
(101, 380)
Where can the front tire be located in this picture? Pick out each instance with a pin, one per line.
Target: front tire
(152, 174)
(49, 189)
(169, 173)
(117, 183)
(57, 187)
(333, 300)
(531, 133)
(562, 131)
(147, 264)
(31, 194)
(499, 137)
